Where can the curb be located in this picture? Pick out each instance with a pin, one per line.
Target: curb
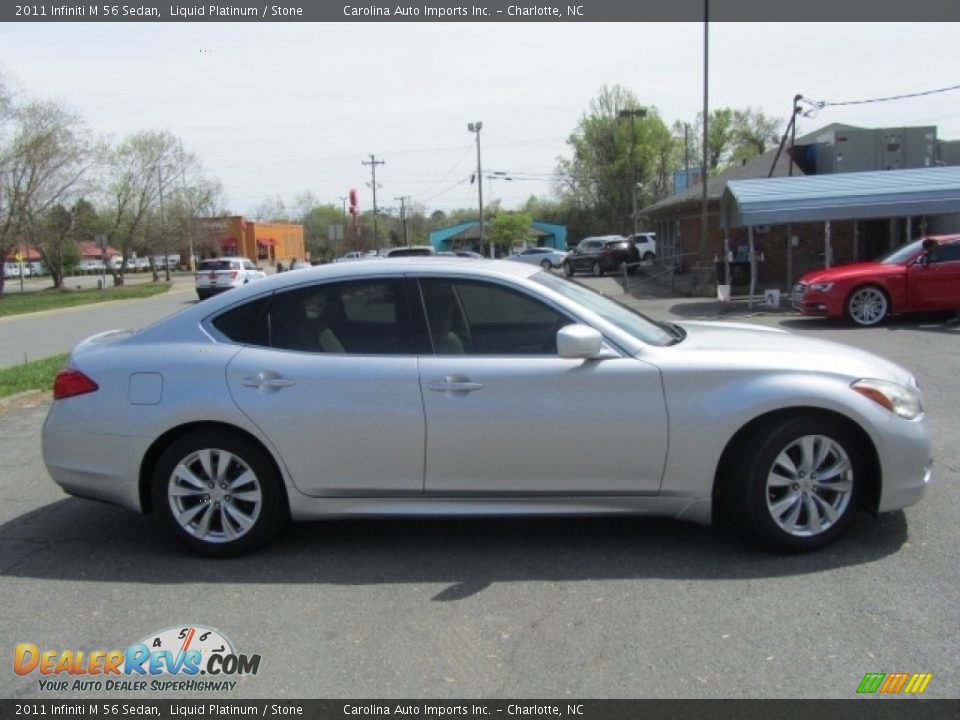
(30, 398)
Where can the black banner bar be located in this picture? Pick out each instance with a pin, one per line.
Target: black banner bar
(483, 11)
(873, 708)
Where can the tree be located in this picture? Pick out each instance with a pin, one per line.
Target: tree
(60, 231)
(734, 136)
(140, 170)
(609, 150)
(45, 159)
(271, 210)
(508, 229)
(316, 231)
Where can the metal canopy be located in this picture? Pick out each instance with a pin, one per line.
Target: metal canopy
(841, 196)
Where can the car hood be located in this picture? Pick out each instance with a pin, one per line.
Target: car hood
(855, 270)
(753, 347)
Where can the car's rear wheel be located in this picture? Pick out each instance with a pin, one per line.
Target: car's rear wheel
(867, 306)
(648, 256)
(545, 264)
(568, 269)
(797, 487)
(595, 269)
(218, 493)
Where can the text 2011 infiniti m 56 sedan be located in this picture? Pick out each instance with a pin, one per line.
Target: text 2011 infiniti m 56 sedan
(430, 386)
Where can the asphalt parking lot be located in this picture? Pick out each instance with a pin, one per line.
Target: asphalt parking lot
(560, 608)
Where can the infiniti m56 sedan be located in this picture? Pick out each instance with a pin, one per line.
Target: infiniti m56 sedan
(430, 386)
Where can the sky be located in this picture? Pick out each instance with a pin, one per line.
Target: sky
(280, 109)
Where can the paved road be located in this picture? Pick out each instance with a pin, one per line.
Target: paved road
(40, 335)
(511, 608)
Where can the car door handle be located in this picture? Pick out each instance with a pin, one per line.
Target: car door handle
(452, 384)
(268, 381)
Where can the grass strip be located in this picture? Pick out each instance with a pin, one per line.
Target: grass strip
(36, 375)
(40, 300)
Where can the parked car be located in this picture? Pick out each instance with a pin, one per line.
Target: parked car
(237, 414)
(299, 265)
(409, 251)
(356, 255)
(599, 255)
(546, 258)
(220, 274)
(908, 280)
(646, 244)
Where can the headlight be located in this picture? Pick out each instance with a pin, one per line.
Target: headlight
(821, 287)
(898, 399)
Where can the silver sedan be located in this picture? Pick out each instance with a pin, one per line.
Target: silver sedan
(430, 386)
(546, 258)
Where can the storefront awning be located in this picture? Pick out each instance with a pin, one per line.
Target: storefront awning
(841, 196)
(229, 242)
(266, 242)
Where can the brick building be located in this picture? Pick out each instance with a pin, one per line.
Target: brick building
(266, 243)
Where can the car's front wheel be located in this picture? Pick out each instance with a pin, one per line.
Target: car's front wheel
(796, 488)
(568, 269)
(867, 306)
(595, 269)
(218, 493)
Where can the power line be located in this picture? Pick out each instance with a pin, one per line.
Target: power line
(820, 104)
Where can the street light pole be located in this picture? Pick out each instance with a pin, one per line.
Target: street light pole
(475, 127)
(632, 114)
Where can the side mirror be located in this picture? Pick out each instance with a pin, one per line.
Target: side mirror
(579, 341)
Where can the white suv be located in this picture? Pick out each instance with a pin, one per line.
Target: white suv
(646, 243)
(219, 274)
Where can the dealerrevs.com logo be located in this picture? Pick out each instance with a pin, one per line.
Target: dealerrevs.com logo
(894, 683)
(182, 658)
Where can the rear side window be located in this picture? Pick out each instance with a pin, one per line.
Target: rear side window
(210, 265)
(366, 317)
(245, 323)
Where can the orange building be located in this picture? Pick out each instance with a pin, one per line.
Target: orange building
(266, 243)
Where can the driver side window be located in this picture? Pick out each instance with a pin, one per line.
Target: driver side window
(481, 318)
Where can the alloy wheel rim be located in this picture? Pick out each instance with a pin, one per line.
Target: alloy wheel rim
(809, 486)
(215, 496)
(868, 307)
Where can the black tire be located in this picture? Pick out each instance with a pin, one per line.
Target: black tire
(647, 256)
(545, 265)
(595, 269)
(258, 495)
(866, 306)
(792, 509)
(568, 269)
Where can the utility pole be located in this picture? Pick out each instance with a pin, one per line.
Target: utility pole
(183, 179)
(163, 235)
(702, 260)
(475, 127)
(632, 114)
(343, 199)
(403, 217)
(373, 170)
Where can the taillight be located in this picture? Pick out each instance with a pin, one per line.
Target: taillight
(70, 383)
(233, 275)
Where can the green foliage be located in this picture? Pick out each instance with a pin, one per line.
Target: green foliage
(36, 375)
(35, 301)
(734, 136)
(611, 151)
(508, 229)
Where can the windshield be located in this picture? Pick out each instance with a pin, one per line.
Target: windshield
(630, 321)
(902, 253)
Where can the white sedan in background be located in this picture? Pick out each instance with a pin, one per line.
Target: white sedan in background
(546, 258)
(436, 387)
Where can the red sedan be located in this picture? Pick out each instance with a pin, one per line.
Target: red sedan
(907, 280)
